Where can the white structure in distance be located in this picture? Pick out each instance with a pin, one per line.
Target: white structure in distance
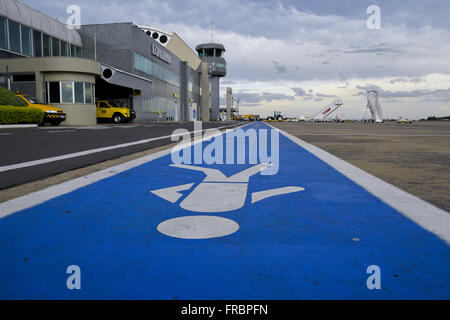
(374, 106)
(325, 112)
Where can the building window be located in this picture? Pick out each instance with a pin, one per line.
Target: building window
(37, 43)
(14, 36)
(66, 92)
(209, 52)
(70, 92)
(3, 34)
(78, 52)
(79, 92)
(147, 66)
(64, 49)
(55, 47)
(53, 92)
(26, 41)
(31, 77)
(47, 45)
(88, 91)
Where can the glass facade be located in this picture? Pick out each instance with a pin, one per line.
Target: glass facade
(89, 92)
(37, 43)
(46, 45)
(22, 39)
(55, 47)
(3, 33)
(67, 92)
(14, 36)
(26, 41)
(79, 92)
(155, 104)
(70, 92)
(158, 101)
(149, 67)
(64, 49)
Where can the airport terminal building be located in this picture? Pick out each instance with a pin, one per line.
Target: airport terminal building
(141, 67)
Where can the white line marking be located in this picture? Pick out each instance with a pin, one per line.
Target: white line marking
(93, 128)
(261, 195)
(5, 133)
(421, 212)
(41, 196)
(198, 227)
(14, 126)
(172, 194)
(86, 152)
(58, 131)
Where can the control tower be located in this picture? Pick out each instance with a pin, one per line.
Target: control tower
(212, 53)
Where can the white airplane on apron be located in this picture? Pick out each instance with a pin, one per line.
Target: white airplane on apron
(219, 193)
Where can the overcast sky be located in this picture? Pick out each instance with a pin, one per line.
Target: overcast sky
(298, 56)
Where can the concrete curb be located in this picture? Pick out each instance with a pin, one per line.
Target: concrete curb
(16, 126)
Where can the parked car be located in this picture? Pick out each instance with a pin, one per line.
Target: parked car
(53, 115)
(107, 110)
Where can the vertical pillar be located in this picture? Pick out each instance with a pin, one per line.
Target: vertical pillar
(229, 103)
(215, 98)
(204, 99)
(40, 89)
(184, 93)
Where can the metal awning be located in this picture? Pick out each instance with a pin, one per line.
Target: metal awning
(125, 79)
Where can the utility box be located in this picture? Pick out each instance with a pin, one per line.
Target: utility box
(192, 112)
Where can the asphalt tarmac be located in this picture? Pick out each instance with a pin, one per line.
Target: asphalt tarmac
(29, 144)
(414, 157)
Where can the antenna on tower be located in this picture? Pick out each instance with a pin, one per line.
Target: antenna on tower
(212, 32)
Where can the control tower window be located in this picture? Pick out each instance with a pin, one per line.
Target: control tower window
(218, 53)
(201, 53)
(209, 52)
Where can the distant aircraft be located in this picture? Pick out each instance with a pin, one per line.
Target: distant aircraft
(219, 193)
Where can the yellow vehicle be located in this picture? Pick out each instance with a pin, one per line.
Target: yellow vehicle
(249, 117)
(53, 115)
(107, 110)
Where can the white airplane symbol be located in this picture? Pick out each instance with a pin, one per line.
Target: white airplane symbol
(219, 193)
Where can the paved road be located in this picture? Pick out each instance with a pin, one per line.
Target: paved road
(152, 229)
(23, 145)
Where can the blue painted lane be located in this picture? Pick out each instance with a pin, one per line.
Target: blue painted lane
(313, 244)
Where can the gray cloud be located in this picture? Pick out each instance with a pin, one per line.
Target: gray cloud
(437, 95)
(322, 95)
(249, 98)
(305, 94)
(278, 67)
(300, 92)
(406, 80)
